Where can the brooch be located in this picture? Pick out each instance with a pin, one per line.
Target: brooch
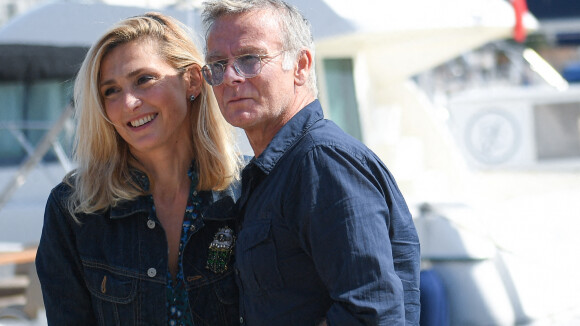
(220, 250)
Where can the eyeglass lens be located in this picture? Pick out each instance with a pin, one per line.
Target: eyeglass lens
(246, 66)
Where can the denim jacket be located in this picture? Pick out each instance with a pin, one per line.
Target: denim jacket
(111, 268)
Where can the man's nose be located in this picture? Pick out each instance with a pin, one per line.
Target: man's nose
(231, 75)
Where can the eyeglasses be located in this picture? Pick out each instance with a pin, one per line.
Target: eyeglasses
(245, 65)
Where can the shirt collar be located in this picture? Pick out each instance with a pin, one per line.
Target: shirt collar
(289, 135)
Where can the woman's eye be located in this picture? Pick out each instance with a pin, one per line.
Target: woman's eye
(109, 91)
(144, 79)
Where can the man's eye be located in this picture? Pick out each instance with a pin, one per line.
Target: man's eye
(248, 59)
(218, 64)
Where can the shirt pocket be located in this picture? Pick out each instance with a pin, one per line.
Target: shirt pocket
(257, 260)
(113, 294)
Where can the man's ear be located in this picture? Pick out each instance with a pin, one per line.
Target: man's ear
(194, 80)
(303, 67)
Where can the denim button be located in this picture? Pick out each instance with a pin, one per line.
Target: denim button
(151, 272)
(151, 224)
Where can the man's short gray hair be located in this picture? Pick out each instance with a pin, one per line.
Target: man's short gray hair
(296, 30)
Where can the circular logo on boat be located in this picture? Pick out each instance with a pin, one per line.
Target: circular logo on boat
(492, 136)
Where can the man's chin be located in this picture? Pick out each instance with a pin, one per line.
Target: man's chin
(243, 120)
(240, 113)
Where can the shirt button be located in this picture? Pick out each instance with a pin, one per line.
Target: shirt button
(241, 320)
(151, 272)
(151, 224)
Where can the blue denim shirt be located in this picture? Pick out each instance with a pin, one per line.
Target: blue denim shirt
(112, 268)
(326, 233)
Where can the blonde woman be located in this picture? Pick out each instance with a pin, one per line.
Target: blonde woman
(142, 231)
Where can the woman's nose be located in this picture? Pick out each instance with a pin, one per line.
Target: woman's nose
(132, 101)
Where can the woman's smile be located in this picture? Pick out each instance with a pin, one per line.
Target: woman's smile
(142, 121)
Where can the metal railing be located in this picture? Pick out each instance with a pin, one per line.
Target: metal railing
(35, 154)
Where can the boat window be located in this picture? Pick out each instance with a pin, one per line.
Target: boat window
(28, 112)
(557, 130)
(340, 86)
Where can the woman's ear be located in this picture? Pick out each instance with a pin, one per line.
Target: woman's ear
(303, 67)
(194, 80)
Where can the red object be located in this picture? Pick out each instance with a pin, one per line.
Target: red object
(520, 8)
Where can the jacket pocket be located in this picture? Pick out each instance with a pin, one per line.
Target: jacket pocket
(257, 260)
(113, 293)
(216, 303)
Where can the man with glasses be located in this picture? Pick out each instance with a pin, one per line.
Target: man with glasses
(326, 236)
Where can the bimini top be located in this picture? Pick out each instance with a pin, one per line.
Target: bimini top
(50, 42)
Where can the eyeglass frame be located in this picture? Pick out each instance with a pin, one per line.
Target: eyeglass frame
(236, 68)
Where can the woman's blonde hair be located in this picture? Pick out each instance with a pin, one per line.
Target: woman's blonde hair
(103, 178)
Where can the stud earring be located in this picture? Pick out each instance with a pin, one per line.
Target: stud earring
(191, 98)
